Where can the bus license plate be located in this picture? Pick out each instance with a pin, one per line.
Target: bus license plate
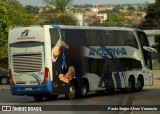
(28, 88)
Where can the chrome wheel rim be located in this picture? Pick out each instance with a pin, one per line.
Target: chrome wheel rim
(4, 80)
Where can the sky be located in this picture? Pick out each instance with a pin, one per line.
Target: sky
(40, 3)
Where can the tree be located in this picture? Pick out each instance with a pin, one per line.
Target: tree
(60, 4)
(152, 17)
(116, 20)
(4, 27)
(12, 13)
(59, 15)
(32, 9)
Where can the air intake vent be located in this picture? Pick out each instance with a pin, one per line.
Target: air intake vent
(27, 63)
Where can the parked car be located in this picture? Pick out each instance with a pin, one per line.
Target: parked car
(4, 77)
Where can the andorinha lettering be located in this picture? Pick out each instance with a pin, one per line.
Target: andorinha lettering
(24, 38)
(107, 51)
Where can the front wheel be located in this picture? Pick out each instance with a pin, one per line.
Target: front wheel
(72, 92)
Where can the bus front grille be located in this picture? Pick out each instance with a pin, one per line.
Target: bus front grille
(27, 63)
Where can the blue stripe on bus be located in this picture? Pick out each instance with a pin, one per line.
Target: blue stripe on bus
(35, 89)
(36, 77)
(56, 26)
(118, 80)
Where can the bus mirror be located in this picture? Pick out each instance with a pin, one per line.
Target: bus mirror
(150, 49)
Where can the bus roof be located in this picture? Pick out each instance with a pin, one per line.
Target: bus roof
(84, 27)
(95, 27)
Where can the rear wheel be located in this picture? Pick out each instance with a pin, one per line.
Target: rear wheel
(139, 84)
(72, 92)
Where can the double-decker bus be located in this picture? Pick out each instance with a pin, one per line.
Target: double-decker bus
(48, 60)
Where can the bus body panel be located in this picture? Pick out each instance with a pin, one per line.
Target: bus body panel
(104, 66)
(28, 50)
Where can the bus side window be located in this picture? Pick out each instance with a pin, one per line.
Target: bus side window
(119, 39)
(107, 37)
(75, 37)
(92, 39)
(54, 36)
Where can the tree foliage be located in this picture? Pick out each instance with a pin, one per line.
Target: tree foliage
(115, 20)
(59, 15)
(4, 27)
(152, 18)
(12, 13)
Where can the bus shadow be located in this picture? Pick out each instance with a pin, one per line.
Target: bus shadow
(91, 95)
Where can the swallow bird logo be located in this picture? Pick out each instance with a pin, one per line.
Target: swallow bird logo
(25, 33)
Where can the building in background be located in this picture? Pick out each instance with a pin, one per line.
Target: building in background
(79, 17)
(102, 17)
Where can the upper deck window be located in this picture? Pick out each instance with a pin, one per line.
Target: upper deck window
(55, 36)
(90, 37)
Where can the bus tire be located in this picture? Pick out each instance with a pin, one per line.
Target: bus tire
(38, 98)
(84, 89)
(139, 84)
(72, 91)
(130, 87)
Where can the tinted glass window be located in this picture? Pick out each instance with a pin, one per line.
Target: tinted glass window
(147, 55)
(86, 37)
(75, 37)
(107, 38)
(130, 39)
(119, 38)
(143, 39)
(54, 33)
(95, 37)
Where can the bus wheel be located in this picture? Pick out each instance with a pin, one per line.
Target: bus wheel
(84, 89)
(130, 87)
(38, 98)
(72, 92)
(139, 84)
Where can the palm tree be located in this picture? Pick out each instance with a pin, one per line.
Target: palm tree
(61, 16)
(59, 4)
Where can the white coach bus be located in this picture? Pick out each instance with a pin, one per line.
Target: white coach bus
(49, 60)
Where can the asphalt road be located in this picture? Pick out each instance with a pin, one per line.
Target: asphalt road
(148, 96)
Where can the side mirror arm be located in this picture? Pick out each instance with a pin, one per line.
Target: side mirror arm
(150, 49)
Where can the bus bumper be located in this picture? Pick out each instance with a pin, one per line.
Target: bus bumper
(32, 89)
